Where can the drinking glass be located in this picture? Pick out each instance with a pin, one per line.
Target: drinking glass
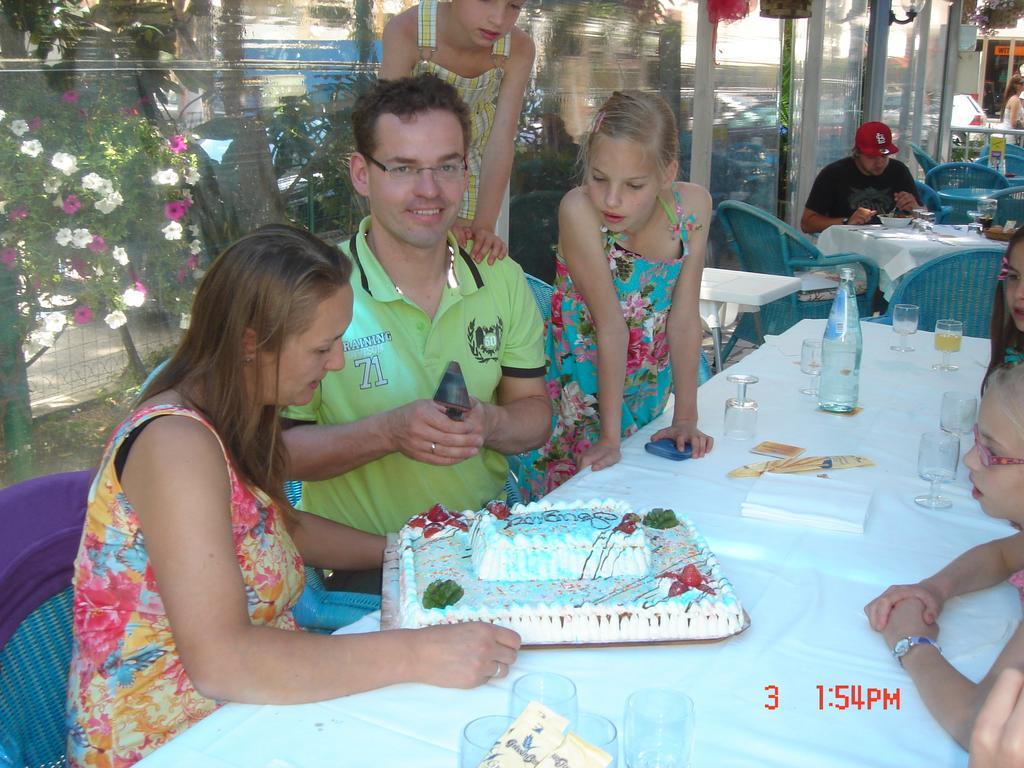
(601, 732)
(659, 727)
(810, 363)
(904, 321)
(556, 692)
(975, 224)
(936, 462)
(740, 412)
(947, 341)
(478, 736)
(959, 410)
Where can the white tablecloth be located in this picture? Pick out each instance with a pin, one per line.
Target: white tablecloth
(804, 590)
(897, 251)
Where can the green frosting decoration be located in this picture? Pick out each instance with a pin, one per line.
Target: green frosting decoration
(661, 519)
(442, 593)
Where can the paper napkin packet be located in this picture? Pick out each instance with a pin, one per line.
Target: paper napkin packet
(810, 501)
(538, 738)
(804, 464)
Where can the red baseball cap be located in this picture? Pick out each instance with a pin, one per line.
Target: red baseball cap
(875, 140)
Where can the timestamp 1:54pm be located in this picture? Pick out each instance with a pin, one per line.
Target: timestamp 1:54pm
(844, 697)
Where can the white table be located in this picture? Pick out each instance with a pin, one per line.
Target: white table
(749, 290)
(804, 591)
(897, 251)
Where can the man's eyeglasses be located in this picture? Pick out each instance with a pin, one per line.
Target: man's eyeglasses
(450, 171)
(989, 459)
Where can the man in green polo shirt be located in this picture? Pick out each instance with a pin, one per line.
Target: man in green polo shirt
(380, 449)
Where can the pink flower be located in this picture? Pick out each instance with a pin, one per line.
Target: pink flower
(554, 388)
(192, 262)
(71, 205)
(34, 123)
(637, 351)
(177, 144)
(98, 244)
(180, 276)
(7, 257)
(660, 351)
(83, 315)
(557, 472)
(175, 210)
(20, 212)
(69, 97)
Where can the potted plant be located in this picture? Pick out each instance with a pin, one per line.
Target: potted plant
(991, 15)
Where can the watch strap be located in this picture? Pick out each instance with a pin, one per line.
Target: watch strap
(903, 646)
(846, 220)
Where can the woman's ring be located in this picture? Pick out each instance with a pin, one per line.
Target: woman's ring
(433, 447)
(497, 669)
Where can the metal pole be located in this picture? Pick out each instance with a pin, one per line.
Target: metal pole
(878, 49)
(703, 101)
(949, 76)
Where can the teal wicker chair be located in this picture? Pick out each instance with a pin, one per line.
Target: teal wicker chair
(763, 243)
(923, 158)
(542, 293)
(1010, 205)
(959, 285)
(42, 521)
(929, 198)
(1013, 164)
(1011, 150)
(533, 232)
(963, 176)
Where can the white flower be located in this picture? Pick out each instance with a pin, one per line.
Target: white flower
(120, 255)
(166, 176)
(98, 271)
(81, 238)
(186, 320)
(32, 148)
(115, 319)
(65, 163)
(133, 297)
(2, 115)
(96, 183)
(193, 230)
(172, 231)
(63, 236)
(109, 202)
(54, 322)
(42, 338)
(19, 127)
(51, 185)
(195, 247)
(191, 175)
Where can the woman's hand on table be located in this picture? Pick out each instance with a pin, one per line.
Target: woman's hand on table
(462, 655)
(601, 455)
(880, 609)
(998, 737)
(686, 432)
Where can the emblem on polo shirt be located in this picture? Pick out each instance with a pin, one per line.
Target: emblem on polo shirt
(484, 340)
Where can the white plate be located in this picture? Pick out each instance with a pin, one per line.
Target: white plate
(895, 222)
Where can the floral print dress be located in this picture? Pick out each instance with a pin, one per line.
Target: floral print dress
(128, 691)
(644, 288)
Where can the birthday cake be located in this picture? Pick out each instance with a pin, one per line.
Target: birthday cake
(579, 572)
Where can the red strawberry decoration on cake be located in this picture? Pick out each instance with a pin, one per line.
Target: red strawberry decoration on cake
(628, 523)
(436, 519)
(688, 578)
(499, 509)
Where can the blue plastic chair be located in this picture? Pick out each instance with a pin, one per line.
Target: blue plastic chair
(953, 176)
(926, 161)
(542, 293)
(42, 521)
(765, 244)
(930, 199)
(1010, 205)
(959, 285)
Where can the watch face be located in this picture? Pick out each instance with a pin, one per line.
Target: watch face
(901, 647)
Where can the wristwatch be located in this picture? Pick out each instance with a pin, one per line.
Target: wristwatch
(902, 647)
(846, 221)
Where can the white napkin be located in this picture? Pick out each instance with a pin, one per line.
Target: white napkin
(368, 623)
(808, 500)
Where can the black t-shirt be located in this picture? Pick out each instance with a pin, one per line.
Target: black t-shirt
(841, 188)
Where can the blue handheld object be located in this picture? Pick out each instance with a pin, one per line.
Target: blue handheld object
(666, 448)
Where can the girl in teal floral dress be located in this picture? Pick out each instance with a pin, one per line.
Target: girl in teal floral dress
(624, 329)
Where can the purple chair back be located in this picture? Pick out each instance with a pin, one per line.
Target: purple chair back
(42, 523)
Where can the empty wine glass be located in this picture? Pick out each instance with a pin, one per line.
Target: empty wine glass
(740, 412)
(556, 692)
(810, 363)
(959, 410)
(659, 728)
(948, 334)
(975, 224)
(478, 736)
(905, 318)
(936, 462)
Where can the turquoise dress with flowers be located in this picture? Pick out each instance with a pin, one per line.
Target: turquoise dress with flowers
(644, 288)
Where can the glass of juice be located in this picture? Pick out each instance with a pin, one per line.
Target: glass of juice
(947, 341)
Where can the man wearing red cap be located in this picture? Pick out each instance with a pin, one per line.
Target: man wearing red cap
(857, 188)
